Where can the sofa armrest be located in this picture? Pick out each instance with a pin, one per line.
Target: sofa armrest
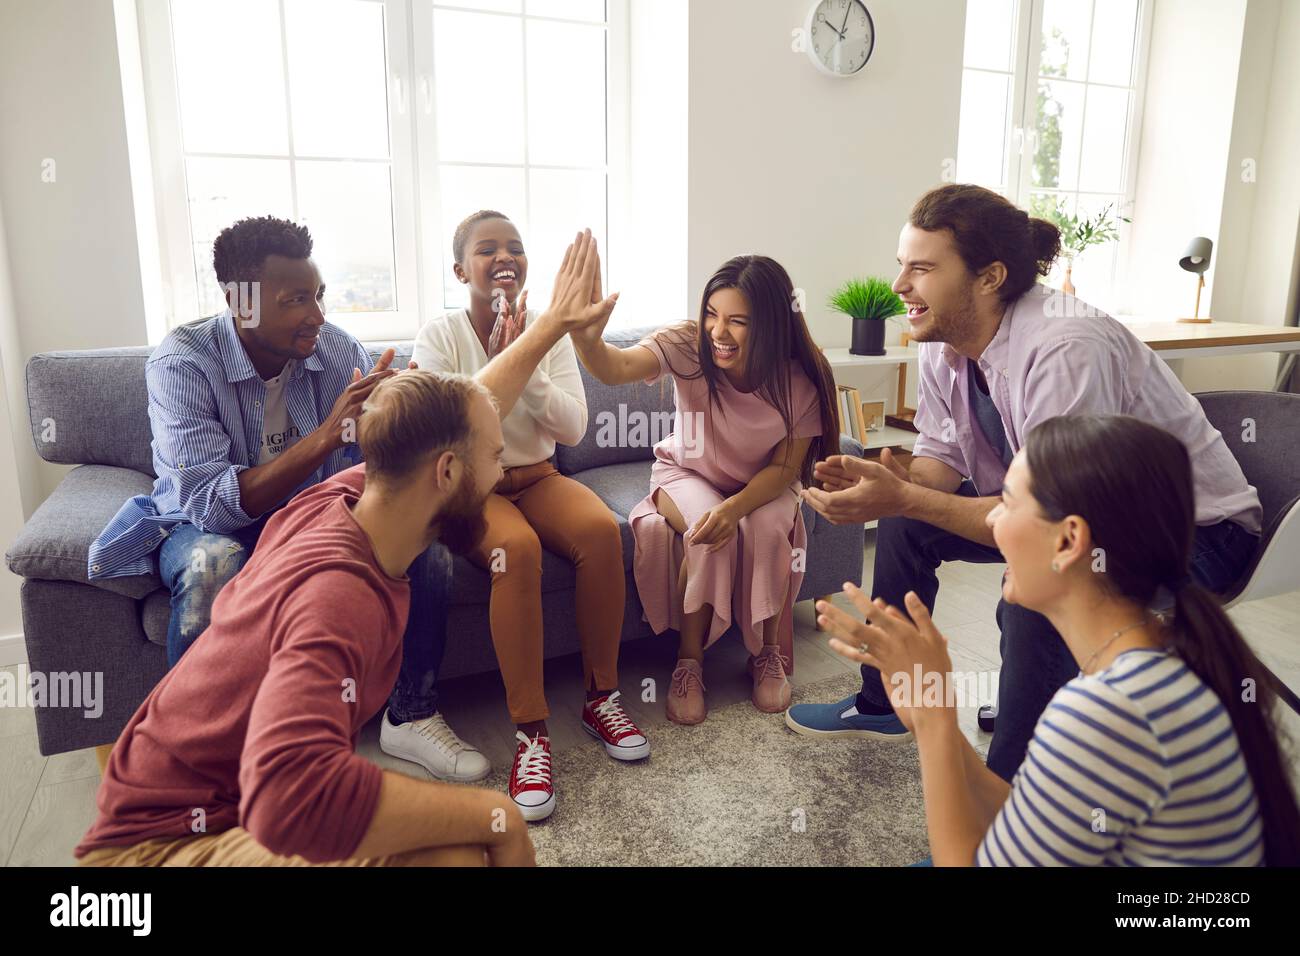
(55, 543)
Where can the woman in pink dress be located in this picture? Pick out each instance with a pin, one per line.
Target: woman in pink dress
(720, 537)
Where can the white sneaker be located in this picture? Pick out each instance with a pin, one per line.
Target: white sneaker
(434, 746)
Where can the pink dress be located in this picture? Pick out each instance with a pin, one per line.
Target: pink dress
(712, 454)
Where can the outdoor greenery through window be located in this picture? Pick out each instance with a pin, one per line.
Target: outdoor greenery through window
(379, 124)
(1049, 111)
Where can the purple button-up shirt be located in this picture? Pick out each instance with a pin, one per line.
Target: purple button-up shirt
(1056, 355)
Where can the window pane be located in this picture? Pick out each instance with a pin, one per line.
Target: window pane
(222, 191)
(563, 202)
(349, 209)
(990, 28)
(981, 137)
(1114, 26)
(467, 189)
(592, 10)
(479, 87)
(337, 78)
(1065, 38)
(504, 6)
(1101, 168)
(208, 38)
(1059, 129)
(566, 94)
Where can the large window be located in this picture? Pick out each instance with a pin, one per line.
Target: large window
(380, 124)
(1050, 109)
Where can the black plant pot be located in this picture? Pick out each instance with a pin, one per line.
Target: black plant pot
(868, 337)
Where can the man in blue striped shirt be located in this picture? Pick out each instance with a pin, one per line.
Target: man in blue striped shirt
(248, 408)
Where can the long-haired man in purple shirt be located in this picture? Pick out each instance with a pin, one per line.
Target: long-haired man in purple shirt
(1000, 353)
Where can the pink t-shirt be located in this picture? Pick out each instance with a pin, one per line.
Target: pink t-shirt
(727, 444)
(257, 725)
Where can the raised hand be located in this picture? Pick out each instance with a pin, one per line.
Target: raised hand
(346, 412)
(896, 646)
(576, 302)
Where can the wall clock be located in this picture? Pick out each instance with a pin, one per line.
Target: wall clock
(840, 37)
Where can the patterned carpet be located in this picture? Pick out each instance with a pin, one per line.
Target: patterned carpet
(740, 789)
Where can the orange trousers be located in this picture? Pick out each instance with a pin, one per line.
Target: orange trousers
(533, 507)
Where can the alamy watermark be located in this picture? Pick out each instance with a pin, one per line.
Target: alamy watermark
(634, 428)
(78, 690)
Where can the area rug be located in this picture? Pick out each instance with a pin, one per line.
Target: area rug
(739, 790)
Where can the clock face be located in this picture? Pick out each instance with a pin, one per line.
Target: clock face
(841, 36)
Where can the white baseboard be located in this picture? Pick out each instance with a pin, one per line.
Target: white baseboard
(13, 650)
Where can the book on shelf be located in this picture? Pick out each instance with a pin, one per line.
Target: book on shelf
(850, 406)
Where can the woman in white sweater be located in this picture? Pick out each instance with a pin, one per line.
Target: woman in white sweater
(533, 507)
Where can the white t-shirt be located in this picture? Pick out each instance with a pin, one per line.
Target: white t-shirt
(553, 405)
(278, 433)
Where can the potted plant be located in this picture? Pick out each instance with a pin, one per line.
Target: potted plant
(869, 302)
(1078, 234)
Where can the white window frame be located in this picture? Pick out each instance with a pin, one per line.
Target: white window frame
(1020, 133)
(418, 238)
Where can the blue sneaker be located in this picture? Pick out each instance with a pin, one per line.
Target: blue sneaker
(828, 720)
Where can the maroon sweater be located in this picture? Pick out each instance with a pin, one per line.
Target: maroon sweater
(257, 725)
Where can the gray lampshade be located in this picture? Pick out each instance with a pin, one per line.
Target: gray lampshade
(1198, 249)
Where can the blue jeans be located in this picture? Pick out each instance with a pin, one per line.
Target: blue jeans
(1035, 661)
(195, 565)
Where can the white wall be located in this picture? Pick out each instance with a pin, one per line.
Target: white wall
(1183, 151)
(12, 474)
(73, 259)
(816, 172)
(1256, 256)
(1223, 88)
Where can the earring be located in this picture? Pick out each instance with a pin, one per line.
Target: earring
(1055, 566)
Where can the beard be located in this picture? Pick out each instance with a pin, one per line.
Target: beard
(955, 325)
(460, 526)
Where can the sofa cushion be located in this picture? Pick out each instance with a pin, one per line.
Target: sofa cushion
(623, 421)
(55, 542)
(620, 486)
(155, 615)
(472, 585)
(91, 407)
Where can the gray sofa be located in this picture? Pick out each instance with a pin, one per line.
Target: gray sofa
(92, 406)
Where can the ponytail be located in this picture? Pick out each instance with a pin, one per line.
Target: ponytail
(1206, 640)
(1132, 482)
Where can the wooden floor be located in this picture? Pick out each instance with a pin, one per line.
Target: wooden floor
(46, 803)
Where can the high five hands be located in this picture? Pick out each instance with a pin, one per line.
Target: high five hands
(857, 491)
(577, 302)
(895, 645)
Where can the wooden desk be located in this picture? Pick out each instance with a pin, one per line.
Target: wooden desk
(1174, 340)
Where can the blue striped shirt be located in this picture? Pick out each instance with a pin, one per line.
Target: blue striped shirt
(1136, 765)
(205, 409)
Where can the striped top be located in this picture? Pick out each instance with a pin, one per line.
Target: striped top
(206, 403)
(1136, 765)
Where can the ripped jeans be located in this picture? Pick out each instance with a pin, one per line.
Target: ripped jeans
(195, 565)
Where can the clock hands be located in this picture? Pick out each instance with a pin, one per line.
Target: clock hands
(838, 33)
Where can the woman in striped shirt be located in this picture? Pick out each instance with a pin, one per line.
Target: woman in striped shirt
(1164, 749)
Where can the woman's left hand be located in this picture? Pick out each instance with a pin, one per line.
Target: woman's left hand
(715, 528)
(898, 647)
